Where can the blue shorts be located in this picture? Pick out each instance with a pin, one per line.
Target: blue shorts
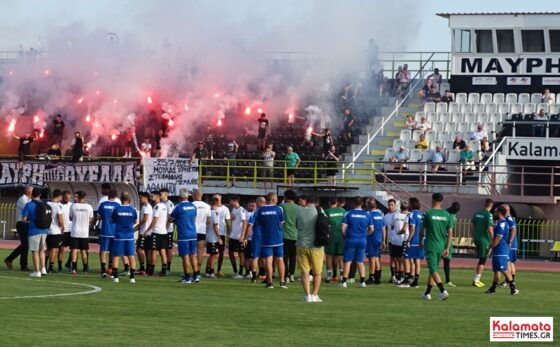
(414, 252)
(354, 252)
(106, 243)
(186, 247)
(256, 246)
(373, 248)
(275, 251)
(512, 255)
(124, 248)
(500, 263)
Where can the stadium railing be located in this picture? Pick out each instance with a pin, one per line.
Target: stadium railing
(416, 62)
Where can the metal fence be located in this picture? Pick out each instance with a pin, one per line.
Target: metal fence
(7, 219)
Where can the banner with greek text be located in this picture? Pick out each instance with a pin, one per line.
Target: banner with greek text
(171, 173)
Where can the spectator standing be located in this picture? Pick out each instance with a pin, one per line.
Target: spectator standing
(34, 215)
(327, 139)
(332, 166)
(146, 147)
(310, 257)
(22, 231)
(292, 163)
(263, 129)
(290, 233)
(404, 80)
(268, 156)
(77, 147)
(58, 130)
(349, 124)
(24, 148)
(231, 157)
(200, 152)
(436, 78)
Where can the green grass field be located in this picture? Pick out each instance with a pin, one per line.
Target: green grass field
(227, 312)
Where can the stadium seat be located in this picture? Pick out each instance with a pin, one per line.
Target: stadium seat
(453, 134)
(536, 98)
(452, 157)
(429, 107)
(475, 145)
(529, 108)
(442, 135)
(463, 126)
(410, 144)
(482, 118)
(453, 107)
(430, 135)
(495, 117)
(516, 109)
(456, 117)
(523, 98)
(441, 107)
(389, 153)
(418, 116)
(406, 134)
(438, 126)
(448, 145)
(477, 108)
(554, 109)
(426, 156)
(461, 98)
(444, 117)
(499, 98)
(469, 118)
(504, 108)
(490, 126)
(465, 108)
(452, 126)
(435, 143)
(474, 98)
(397, 143)
(558, 98)
(415, 157)
(511, 98)
(432, 117)
(416, 134)
(486, 98)
(542, 106)
(491, 108)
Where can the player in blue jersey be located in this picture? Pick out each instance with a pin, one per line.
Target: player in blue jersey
(270, 218)
(252, 238)
(499, 249)
(125, 218)
(512, 242)
(184, 217)
(376, 242)
(356, 226)
(413, 252)
(107, 235)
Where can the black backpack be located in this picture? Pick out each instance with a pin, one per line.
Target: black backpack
(43, 215)
(323, 230)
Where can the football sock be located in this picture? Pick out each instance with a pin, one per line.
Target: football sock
(141, 266)
(164, 268)
(126, 267)
(344, 279)
(103, 267)
(393, 270)
(168, 266)
(132, 273)
(477, 277)
(74, 265)
(241, 268)
(440, 287)
(428, 289)
(51, 266)
(334, 272)
(513, 277)
(234, 266)
(362, 279)
(60, 265)
(115, 272)
(261, 271)
(447, 269)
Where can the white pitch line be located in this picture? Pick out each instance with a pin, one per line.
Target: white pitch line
(94, 289)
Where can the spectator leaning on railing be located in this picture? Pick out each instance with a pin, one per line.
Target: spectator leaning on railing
(292, 163)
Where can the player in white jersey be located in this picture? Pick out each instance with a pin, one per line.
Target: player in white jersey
(238, 225)
(224, 225)
(159, 238)
(105, 188)
(213, 239)
(170, 226)
(392, 237)
(143, 242)
(54, 237)
(65, 203)
(81, 215)
(202, 222)
(401, 230)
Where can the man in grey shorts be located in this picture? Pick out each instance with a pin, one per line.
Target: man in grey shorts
(37, 236)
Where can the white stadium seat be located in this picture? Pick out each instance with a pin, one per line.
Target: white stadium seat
(542, 106)
(415, 157)
(490, 108)
(432, 117)
(490, 126)
(418, 116)
(465, 108)
(469, 118)
(389, 153)
(499, 98)
(558, 98)
(410, 144)
(450, 126)
(516, 108)
(452, 158)
(397, 143)
(430, 135)
(461, 98)
(524, 98)
(429, 107)
(486, 98)
(406, 134)
(536, 98)
(463, 126)
(474, 98)
(442, 135)
(448, 145)
(426, 155)
(435, 143)
(504, 108)
(456, 117)
(438, 126)
(416, 134)
(475, 145)
(453, 107)
(477, 108)
(511, 98)
(495, 117)
(444, 117)
(482, 118)
(441, 107)
(454, 134)
(554, 109)
(529, 108)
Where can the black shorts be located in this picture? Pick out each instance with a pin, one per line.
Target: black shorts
(141, 242)
(158, 241)
(79, 243)
(291, 172)
(236, 246)
(396, 251)
(212, 248)
(169, 240)
(262, 134)
(222, 247)
(66, 239)
(200, 237)
(54, 241)
(248, 251)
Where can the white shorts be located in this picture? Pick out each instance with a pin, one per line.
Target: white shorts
(37, 242)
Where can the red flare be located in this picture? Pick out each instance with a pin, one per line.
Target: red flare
(88, 118)
(12, 126)
(97, 92)
(248, 111)
(186, 107)
(113, 137)
(115, 101)
(80, 100)
(309, 130)
(219, 123)
(36, 119)
(47, 72)
(217, 95)
(170, 123)
(291, 116)
(260, 110)
(149, 100)
(42, 133)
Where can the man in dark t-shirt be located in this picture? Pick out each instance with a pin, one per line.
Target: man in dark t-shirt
(58, 130)
(263, 128)
(200, 152)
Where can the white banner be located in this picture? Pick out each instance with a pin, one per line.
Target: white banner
(171, 173)
(519, 81)
(513, 65)
(532, 149)
(551, 81)
(484, 81)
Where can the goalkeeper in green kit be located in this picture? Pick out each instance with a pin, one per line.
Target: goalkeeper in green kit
(437, 229)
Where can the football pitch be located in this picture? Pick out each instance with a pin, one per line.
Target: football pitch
(64, 310)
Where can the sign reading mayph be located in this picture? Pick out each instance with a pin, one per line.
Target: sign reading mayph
(171, 173)
(532, 149)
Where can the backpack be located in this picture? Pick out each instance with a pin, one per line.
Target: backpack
(323, 232)
(43, 215)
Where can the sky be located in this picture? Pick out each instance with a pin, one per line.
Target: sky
(25, 21)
